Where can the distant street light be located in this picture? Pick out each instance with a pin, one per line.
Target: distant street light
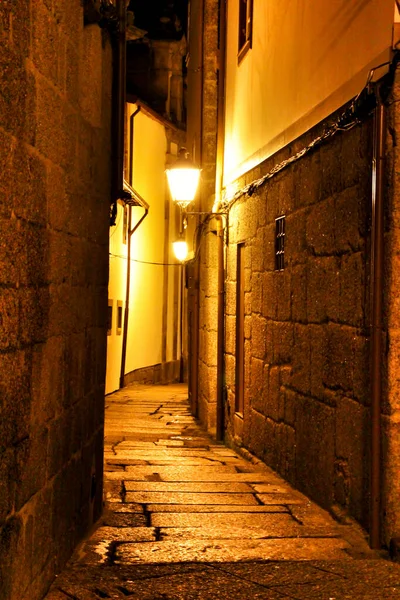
(180, 248)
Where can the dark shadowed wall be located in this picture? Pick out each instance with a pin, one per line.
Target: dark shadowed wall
(55, 112)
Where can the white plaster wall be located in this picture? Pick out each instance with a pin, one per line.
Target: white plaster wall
(308, 58)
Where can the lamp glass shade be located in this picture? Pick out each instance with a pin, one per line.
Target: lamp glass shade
(183, 182)
(180, 249)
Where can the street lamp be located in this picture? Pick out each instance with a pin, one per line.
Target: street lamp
(180, 248)
(183, 179)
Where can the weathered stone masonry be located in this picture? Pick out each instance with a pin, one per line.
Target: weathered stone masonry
(208, 298)
(55, 112)
(307, 327)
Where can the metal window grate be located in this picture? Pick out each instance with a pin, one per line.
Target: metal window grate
(280, 243)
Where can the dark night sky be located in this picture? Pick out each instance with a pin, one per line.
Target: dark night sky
(161, 18)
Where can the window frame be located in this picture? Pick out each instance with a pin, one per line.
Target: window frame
(245, 29)
(110, 316)
(280, 238)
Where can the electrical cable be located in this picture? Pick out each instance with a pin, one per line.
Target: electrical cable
(145, 262)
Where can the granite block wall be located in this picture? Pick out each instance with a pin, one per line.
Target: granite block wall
(207, 279)
(55, 114)
(306, 328)
(391, 406)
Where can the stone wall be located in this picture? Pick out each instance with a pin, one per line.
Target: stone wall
(208, 298)
(306, 328)
(55, 112)
(391, 380)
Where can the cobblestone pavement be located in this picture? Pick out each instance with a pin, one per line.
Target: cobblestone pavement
(186, 518)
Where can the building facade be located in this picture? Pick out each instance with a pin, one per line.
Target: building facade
(299, 148)
(147, 338)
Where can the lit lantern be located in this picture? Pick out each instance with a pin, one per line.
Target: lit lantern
(180, 248)
(183, 179)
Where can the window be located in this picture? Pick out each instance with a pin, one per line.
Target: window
(280, 244)
(119, 317)
(245, 27)
(109, 317)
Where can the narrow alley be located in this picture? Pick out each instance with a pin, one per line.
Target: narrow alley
(188, 518)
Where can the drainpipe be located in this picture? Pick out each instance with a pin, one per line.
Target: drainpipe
(128, 266)
(181, 362)
(128, 289)
(221, 103)
(220, 224)
(119, 96)
(377, 248)
(220, 332)
(193, 374)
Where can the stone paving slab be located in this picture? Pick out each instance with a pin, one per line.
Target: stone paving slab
(188, 473)
(274, 530)
(281, 499)
(128, 508)
(154, 453)
(106, 535)
(113, 470)
(280, 545)
(308, 513)
(188, 498)
(233, 581)
(218, 508)
(161, 456)
(127, 519)
(186, 583)
(136, 444)
(188, 486)
(261, 520)
(99, 547)
(331, 579)
(179, 460)
(230, 550)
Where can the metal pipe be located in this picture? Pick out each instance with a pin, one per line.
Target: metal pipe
(220, 331)
(119, 98)
(131, 137)
(377, 249)
(127, 292)
(193, 374)
(221, 99)
(132, 193)
(181, 365)
(194, 338)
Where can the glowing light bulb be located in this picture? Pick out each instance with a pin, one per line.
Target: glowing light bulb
(180, 250)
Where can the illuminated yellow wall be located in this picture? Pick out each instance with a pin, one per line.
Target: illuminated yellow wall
(153, 290)
(116, 292)
(145, 320)
(153, 324)
(308, 58)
